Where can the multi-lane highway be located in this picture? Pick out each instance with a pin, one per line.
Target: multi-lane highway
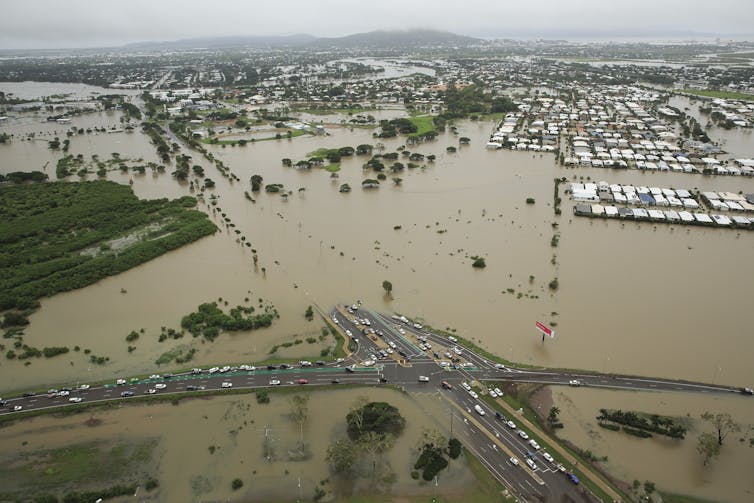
(393, 349)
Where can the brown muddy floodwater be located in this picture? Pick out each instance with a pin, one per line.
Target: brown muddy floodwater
(674, 465)
(658, 300)
(203, 444)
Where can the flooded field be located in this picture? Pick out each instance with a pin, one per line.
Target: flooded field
(199, 446)
(633, 298)
(674, 465)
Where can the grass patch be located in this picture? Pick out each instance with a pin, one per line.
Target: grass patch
(333, 168)
(725, 95)
(682, 498)
(424, 124)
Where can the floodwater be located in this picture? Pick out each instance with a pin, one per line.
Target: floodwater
(674, 465)
(630, 295)
(238, 429)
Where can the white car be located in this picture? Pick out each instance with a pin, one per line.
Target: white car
(466, 386)
(531, 464)
(547, 456)
(522, 434)
(423, 379)
(17, 408)
(534, 444)
(227, 384)
(151, 391)
(75, 399)
(511, 425)
(160, 385)
(154, 376)
(473, 395)
(274, 382)
(84, 387)
(492, 393)
(562, 469)
(120, 382)
(214, 370)
(64, 393)
(348, 333)
(574, 382)
(452, 339)
(225, 369)
(251, 368)
(418, 326)
(514, 461)
(368, 363)
(499, 393)
(305, 363)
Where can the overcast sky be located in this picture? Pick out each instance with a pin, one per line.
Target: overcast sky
(97, 23)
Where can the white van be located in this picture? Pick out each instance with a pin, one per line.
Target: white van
(479, 410)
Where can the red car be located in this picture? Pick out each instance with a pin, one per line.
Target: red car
(303, 381)
(446, 385)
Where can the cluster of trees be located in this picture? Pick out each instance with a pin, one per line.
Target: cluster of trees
(372, 428)
(208, 320)
(24, 176)
(662, 425)
(433, 448)
(472, 100)
(45, 227)
(394, 127)
(157, 136)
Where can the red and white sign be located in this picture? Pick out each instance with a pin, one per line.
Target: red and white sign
(545, 330)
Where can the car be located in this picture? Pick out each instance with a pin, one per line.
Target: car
(423, 379)
(126, 393)
(499, 393)
(350, 369)
(573, 478)
(196, 371)
(514, 461)
(319, 363)
(418, 326)
(335, 320)
(305, 363)
(492, 393)
(523, 434)
(284, 366)
(548, 457)
(466, 386)
(16, 408)
(3, 403)
(746, 391)
(452, 339)
(28, 394)
(349, 334)
(511, 425)
(83, 387)
(479, 410)
(191, 387)
(274, 382)
(214, 370)
(531, 464)
(446, 385)
(75, 399)
(574, 382)
(562, 469)
(383, 379)
(499, 366)
(151, 391)
(250, 368)
(389, 351)
(155, 376)
(227, 384)
(119, 382)
(473, 395)
(303, 381)
(534, 444)
(160, 385)
(368, 363)
(335, 381)
(64, 393)
(354, 307)
(499, 416)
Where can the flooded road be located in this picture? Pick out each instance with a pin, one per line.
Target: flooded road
(655, 300)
